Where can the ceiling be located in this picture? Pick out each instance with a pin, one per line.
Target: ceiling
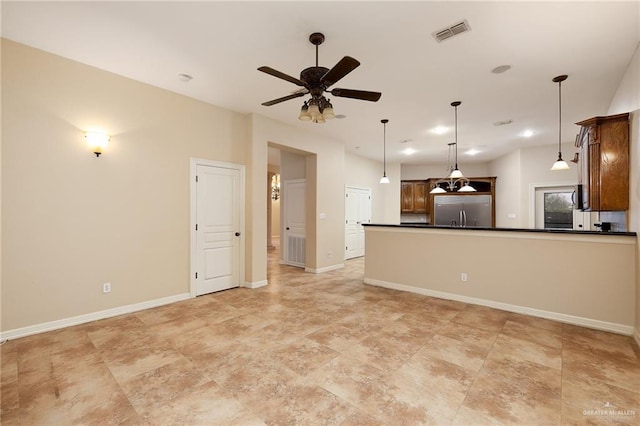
(221, 44)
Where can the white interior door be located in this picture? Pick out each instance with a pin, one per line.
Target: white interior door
(217, 228)
(357, 211)
(294, 242)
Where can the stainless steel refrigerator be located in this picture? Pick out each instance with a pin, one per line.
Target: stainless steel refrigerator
(462, 210)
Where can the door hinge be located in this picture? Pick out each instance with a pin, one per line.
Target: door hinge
(346, 247)
(196, 275)
(347, 195)
(196, 226)
(196, 178)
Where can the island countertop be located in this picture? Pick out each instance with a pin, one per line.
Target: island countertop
(458, 228)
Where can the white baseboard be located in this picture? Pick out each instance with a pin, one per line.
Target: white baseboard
(556, 316)
(256, 284)
(94, 316)
(636, 337)
(325, 269)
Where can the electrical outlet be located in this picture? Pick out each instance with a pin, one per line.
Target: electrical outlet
(463, 277)
(329, 253)
(106, 288)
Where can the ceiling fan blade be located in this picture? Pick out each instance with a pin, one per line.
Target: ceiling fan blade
(357, 94)
(282, 75)
(284, 98)
(342, 68)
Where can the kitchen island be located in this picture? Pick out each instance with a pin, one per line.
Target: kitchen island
(578, 277)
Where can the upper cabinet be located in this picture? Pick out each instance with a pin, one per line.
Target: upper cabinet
(413, 196)
(603, 161)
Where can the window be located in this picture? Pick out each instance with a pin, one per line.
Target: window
(558, 210)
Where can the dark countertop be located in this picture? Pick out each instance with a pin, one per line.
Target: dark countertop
(545, 231)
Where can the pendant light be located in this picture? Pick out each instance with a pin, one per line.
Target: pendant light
(560, 164)
(456, 173)
(384, 178)
(455, 179)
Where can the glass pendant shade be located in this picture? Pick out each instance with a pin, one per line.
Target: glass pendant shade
(304, 113)
(467, 188)
(560, 165)
(314, 111)
(384, 179)
(327, 112)
(437, 190)
(456, 174)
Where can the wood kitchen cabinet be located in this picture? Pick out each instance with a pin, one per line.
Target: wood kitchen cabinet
(414, 196)
(603, 161)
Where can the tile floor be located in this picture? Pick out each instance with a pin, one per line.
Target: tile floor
(320, 350)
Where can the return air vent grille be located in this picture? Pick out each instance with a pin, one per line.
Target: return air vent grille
(453, 30)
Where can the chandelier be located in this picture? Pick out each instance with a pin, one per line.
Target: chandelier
(455, 181)
(275, 187)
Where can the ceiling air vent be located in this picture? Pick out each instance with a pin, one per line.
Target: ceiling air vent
(453, 30)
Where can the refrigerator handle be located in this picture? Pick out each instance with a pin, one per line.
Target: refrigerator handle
(464, 216)
(461, 218)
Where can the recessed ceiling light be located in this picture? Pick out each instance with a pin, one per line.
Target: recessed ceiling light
(340, 116)
(406, 140)
(502, 123)
(440, 130)
(527, 133)
(409, 151)
(185, 77)
(501, 69)
(472, 151)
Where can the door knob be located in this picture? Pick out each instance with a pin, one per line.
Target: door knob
(237, 234)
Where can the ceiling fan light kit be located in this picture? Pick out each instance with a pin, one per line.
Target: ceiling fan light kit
(315, 81)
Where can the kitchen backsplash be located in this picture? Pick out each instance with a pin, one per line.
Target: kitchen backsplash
(414, 218)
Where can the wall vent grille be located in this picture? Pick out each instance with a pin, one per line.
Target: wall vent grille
(452, 30)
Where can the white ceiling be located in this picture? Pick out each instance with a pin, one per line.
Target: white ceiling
(222, 43)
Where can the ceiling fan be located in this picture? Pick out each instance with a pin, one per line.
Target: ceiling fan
(316, 81)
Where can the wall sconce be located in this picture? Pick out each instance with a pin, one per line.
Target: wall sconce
(97, 141)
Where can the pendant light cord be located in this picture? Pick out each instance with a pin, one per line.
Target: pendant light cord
(560, 120)
(384, 147)
(456, 133)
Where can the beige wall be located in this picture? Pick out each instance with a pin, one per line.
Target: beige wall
(72, 221)
(76, 221)
(508, 189)
(518, 271)
(426, 171)
(627, 99)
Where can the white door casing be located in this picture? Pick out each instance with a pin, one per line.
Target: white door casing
(357, 211)
(217, 223)
(294, 241)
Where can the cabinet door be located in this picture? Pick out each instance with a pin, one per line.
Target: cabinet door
(419, 197)
(406, 201)
(584, 170)
(614, 166)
